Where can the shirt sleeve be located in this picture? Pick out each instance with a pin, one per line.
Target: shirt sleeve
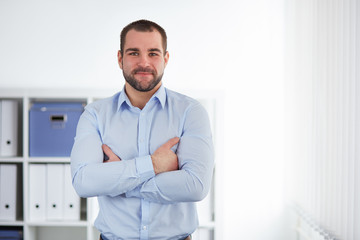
(91, 177)
(196, 161)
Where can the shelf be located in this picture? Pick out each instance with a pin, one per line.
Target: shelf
(58, 224)
(209, 225)
(11, 159)
(11, 223)
(48, 160)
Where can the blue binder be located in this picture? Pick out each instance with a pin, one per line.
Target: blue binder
(11, 235)
(52, 128)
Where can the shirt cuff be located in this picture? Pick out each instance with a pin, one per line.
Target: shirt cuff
(144, 168)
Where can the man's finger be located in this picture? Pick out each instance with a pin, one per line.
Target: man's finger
(108, 152)
(169, 144)
(109, 155)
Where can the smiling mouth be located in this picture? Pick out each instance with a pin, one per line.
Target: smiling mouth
(144, 73)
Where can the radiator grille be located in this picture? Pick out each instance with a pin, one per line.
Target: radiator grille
(307, 229)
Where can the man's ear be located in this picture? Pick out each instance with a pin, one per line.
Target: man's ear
(119, 56)
(166, 58)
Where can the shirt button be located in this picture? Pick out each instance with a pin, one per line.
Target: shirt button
(144, 227)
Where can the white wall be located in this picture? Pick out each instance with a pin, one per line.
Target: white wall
(231, 46)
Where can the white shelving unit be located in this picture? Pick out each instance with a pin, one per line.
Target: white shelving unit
(209, 228)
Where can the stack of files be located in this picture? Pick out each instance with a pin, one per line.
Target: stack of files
(8, 128)
(7, 234)
(52, 196)
(8, 187)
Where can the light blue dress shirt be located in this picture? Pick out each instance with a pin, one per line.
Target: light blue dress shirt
(134, 202)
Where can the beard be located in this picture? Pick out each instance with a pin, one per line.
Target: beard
(129, 78)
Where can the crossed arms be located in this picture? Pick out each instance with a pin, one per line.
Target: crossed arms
(162, 177)
(163, 159)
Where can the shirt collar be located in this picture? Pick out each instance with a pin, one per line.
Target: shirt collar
(160, 94)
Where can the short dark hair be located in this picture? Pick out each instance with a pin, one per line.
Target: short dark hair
(143, 26)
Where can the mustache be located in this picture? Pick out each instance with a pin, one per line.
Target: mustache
(141, 69)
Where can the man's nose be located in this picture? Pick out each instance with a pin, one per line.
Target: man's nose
(144, 61)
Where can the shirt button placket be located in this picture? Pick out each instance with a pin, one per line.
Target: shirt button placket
(143, 151)
(142, 135)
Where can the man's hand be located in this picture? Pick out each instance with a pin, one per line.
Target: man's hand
(111, 156)
(164, 159)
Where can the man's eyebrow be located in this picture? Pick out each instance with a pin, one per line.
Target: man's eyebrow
(154, 50)
(132, 50)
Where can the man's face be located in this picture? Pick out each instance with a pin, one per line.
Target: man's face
(143, 60)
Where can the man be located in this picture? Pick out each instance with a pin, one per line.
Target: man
(157, 146)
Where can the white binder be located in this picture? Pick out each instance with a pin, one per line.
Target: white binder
(55, 192)
(8, 127)
(8, 192)
(37, 192)
(204, 209)
(71, 199)
(203, 234)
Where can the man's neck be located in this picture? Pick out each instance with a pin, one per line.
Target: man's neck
(138, 98)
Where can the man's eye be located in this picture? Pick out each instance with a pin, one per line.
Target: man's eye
(133, 54)
(153, 54)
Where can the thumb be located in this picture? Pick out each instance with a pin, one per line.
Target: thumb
(169, 144)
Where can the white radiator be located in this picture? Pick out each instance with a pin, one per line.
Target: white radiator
(307, 229)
